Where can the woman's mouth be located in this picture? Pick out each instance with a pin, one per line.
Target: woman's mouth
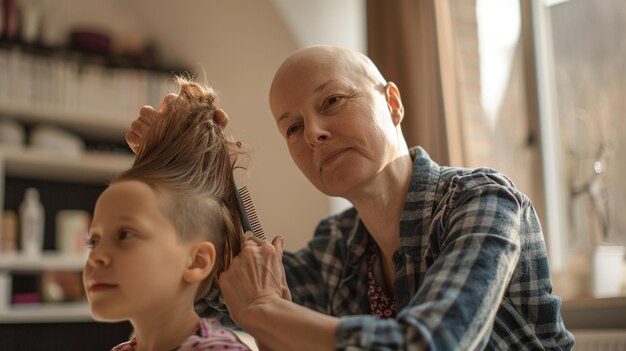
(332, 156)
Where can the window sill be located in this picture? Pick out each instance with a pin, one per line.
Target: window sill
(594, 313)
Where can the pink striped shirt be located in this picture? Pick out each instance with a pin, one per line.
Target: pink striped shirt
(210, 336)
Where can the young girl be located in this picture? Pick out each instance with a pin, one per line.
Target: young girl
(165, 228)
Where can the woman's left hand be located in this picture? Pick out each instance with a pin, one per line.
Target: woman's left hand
(256, 276)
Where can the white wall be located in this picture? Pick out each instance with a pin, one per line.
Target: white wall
(337, 22)
(239, 44)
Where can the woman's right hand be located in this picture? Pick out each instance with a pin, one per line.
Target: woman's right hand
(147, 116)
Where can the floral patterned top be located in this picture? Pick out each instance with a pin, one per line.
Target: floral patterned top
(381, 304)
(210, 335)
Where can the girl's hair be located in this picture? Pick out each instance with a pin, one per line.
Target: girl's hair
(186, 158)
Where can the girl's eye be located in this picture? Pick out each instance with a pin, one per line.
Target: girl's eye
(91, 242)
(126, 234)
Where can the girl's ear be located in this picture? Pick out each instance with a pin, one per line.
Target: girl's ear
(201, 262)
(394, 102)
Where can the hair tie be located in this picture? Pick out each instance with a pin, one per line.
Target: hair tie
(220, 117)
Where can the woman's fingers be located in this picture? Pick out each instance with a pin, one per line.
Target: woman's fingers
(278, 242)
(250, 283)
(138, 129)
(256, 274)
(133, 140)
(147, 115)
(167, 102)
(221, 118)
(252, 240)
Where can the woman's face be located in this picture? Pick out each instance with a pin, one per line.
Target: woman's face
(336, 121)
(136, 261)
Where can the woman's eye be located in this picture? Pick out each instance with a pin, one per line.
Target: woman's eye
(293, 129)
(333, 100)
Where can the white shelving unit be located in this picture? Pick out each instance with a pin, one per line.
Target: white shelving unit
(48, 261)
(87, 124)
(47, 313)
(87, 97)
(90, 167)
(42, 312)
(95, 102)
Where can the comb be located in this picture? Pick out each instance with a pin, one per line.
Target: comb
(249, 219)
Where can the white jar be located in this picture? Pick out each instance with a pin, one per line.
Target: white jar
(72, 227)
(32, 223)
(5, 291)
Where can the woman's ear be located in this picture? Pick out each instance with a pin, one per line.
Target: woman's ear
(201, 262)
(394, 102)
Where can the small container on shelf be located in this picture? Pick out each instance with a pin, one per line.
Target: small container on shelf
(71, 232)
(12, 135)
(5, 291)
(32, 223)
(26, 298)
(8, 233)
(25, 289)
(61, 286)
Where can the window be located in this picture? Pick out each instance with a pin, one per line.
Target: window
(542, 91)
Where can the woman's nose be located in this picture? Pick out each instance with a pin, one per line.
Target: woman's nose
(316, 132)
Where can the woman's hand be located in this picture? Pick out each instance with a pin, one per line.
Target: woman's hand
(255, 290)
(256, 276)
(147, 115)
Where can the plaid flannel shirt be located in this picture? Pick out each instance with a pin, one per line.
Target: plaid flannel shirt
(471, 271)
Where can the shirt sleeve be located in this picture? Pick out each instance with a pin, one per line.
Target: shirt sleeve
(476, 247)
(312, 272)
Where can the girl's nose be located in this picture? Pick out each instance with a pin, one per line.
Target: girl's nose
(97, 257)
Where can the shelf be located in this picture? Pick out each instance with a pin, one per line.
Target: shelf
(87, 124)
(47, 313)
(87, 167)
(595, 313)
(46, 262)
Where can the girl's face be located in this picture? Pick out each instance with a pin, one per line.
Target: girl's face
(136, 264)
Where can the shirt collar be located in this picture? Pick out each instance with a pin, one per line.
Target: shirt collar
(417, 207)
(416, 216)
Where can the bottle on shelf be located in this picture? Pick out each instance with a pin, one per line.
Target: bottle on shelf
(32, 223)
(5, 291)
(8, 233)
